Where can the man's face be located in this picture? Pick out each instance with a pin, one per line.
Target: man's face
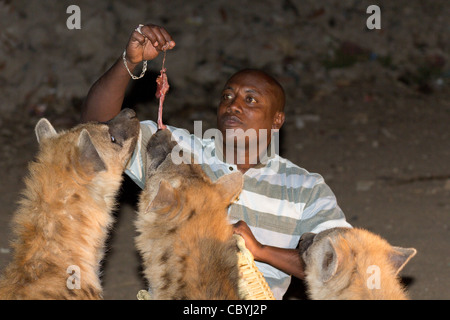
(249, 101)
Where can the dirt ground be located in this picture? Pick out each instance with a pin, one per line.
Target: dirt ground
(367, 109)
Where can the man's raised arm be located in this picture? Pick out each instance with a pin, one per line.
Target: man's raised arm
(105, 98)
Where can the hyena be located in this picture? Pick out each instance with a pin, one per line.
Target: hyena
(348, 264)
(185, 240)
(62, 220)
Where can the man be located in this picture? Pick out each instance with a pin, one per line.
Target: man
(279, 201)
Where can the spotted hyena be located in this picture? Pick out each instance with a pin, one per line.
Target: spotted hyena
(65, 211)
(184, 237)
(346, 263)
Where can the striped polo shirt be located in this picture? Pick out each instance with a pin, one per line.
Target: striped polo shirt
(279, 201)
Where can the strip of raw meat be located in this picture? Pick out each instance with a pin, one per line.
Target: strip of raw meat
(161, 90)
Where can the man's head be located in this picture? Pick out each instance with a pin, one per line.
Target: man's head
(251, 99)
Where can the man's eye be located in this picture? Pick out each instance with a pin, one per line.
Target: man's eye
(251, 100)
(226, 96)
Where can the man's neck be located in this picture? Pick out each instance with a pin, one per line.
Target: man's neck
(245, 157)
(242, 158)
(244, 167)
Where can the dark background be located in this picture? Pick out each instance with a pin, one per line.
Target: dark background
(367, 109)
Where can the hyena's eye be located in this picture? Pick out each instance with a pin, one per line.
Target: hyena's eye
(115, 141)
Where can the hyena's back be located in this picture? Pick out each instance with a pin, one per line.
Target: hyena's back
(185, 239)
(62, 220)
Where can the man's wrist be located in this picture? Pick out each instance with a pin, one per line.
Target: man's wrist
(260, 253)
(130, 66)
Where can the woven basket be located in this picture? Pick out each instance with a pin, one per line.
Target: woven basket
(252, 285)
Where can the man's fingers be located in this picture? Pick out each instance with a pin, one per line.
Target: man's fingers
(147, 31)
(169, 41)
(158, 36)
(136, 36)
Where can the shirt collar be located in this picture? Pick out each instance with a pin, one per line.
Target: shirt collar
(270, 154)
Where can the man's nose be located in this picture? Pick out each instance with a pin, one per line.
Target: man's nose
(235, 106)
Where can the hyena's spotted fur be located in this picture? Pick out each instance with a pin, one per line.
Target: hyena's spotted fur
(64, 214)
(185, 239)
(345, 263)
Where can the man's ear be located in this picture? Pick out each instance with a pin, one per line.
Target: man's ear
(278, 120)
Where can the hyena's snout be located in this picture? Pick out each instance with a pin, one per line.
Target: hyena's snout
(305, 241)
(124, 126)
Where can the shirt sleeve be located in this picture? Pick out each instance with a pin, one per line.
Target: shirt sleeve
(321, 210)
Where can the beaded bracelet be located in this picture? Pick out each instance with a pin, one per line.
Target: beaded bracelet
(144, 67)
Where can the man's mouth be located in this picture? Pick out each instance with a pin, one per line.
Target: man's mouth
(231, 121)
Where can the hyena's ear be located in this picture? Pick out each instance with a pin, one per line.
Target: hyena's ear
(328, 259)
(399, 257)
(167, 197)
(89, 157)
(44, 130)
(230, 185)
